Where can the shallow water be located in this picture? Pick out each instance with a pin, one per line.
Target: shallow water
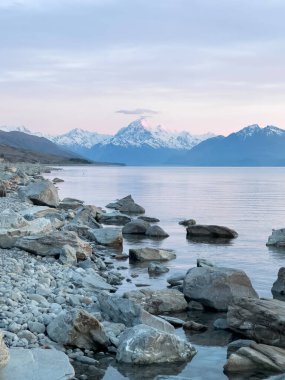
(249, 200)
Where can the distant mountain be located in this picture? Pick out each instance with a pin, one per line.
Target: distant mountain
(251, 146)
(139, 144)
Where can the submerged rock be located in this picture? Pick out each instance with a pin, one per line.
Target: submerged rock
(211, 231)
(217, 287)
(155, 268)
(128, 205)
(147, 254)
(145, 345)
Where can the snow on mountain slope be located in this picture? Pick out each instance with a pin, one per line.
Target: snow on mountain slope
(79, 137)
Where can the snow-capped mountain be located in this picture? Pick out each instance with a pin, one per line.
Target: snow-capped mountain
(80, 138)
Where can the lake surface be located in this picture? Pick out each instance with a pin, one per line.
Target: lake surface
(249, 200)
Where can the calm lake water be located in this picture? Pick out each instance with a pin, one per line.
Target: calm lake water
(249, 200)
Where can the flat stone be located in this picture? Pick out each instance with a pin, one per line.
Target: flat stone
(148, 254)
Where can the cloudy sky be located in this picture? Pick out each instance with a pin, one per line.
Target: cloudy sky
(198, 65)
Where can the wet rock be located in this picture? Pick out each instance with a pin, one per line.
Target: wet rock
(57, 180)
(221, 324)
(108, 236)
(194, 326)
(237, 344)
(122, 310)
(277, 238)
(42, 193)
(158, 301)
(156, 231)
(145, 345)
(204, 263)
(176, 278)
(148, 254)
(187, 222)
(135, 227)
(211, 231)
(128, 205)
(114, 218)
(259, 319)
(87, 216)
(148, 219)
(217, 287)
(278, 288)
(155, 268)
(176, 322)
(194, 305)
(70, 204)
(79, 329)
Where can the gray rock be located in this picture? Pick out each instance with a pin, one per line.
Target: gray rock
(176, 322)
(87, 216)
(158, 301)
(277, 238)
(148, 254)
(37, 364)
(95, 282)
(113, 330)
(42, 193)
(148, 219)
(145, 345)
(176, 278)
(135, 227)
(221, 324)
(156, 231)
(259, 319)
(52, 244)
(187, 222)
(68, 255)
(108, 236)
(204, 263)
(155, 268)
(114, 218)
(36, 327)
(237, 344)
(121, 310)
(278, 288)
(70, 204)
(4, 352)
(211, 231)
(217, 287)
(79, 329)
(128, 205)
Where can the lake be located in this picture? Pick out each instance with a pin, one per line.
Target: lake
(249, 200)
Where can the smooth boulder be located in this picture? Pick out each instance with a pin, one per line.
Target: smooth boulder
(128, 205)
(78, 328)
(277, 238)
(148, 254)
(217, 287)
(145, 345)
(42, 193)
(108, 236)
(136, 227)
(156, 231)
(278, 288)
(210, 231)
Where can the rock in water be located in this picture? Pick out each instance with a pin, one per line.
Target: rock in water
(217, 287)
(259, 319)
(79, 329)
(145, 345)
(114, 218)
(149, 219)
(4, 352)
(154, 269)
(211, 231)
(277, 238)
(136, 227)
(42, 193)
(278, 288)
(156, 231)
(37, 364)
(148, 254)
(187, 222)
(128, 205)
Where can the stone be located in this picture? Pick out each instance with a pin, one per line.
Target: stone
(237, 344)
(36, 327)
(277, 238)
(57, 180)
(176, 322)
(135, 227)
(217, 287)
(204, 263)
(113, 331)
(156, 231)
(52, 244)
(149, 254)
(122, 310)
(211, 231)
(155, 268)
(42, 193)
(278, 288)
(145, 345)
(221, 324)
(187, 222)
(259, 319)
(95, 282)
(128, 205)
(4, 352)
(194, 326)
(176, 278)
(70, 204)
(108, 236)
(158, 301)
(78, 328)
(3, 190)
(68, 255)
(256, 357)
(87, 216)
(148, 219)
(114, 218)
(37, 364)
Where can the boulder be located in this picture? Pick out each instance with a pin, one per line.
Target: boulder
(68, 255)
(37, 364)
(136, 227)
(4, 352)
(128, 205)
(148, 254)
(108, 236)
(57, 180)
(259, 319)
(217, 287)
(113, 331)
(42, 193)
(221, 324)
(114, 218)
(204, 263)
(95, 282)
(148, 219)
(176, 278)
(156, 231)
(277, 238)
(154, 269)
(87, 216)
(78, 328)
(187, 222)
(194, 326)
(256, 357)
(210, 231)
(122, 310)
(278, 288)
(52, 244)
(145, 345)
(158, 301)
(237, 344)
(70, 204)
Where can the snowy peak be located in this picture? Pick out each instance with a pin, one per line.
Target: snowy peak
(79, 137)
(255, 129)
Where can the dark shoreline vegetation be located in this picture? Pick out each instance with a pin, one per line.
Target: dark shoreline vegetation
(60, 291)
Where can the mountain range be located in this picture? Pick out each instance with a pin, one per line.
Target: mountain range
(140, 144)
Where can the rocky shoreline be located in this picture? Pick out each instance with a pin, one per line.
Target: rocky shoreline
(60, 313)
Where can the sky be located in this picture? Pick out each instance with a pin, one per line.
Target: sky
(195, 65)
